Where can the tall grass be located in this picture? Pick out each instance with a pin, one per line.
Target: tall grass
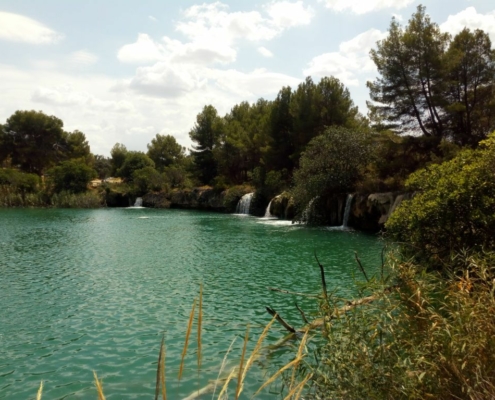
(431, 336)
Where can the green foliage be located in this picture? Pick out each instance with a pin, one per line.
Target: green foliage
(118, 155)
(19, 181)
(72, 176)
(76, 146)
(148, 179)
(133, 161)
(206, 134)
(33, 140)
(433, 84)
(103, 166)
(423, 335)
(89, 199)
(331, 164)
(165, 151)
(453, 207)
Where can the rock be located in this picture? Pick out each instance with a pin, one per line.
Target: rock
(370, 212)
(156, 200)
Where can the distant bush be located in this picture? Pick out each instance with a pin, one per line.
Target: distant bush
(134, 160)
(71, 176)
(19, 181)
(332, 163)
(148, 179)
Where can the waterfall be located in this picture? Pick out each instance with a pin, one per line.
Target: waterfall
(347, 210)
(138, 202)
(308, 211)
(268, 214)
(244, 204)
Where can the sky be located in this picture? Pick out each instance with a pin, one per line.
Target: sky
(123, 71)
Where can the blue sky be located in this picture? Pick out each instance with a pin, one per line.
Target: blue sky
(123, 71)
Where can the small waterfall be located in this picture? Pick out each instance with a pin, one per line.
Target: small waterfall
(244, 204)
(347, 210)
(268, 214)
(138, 202)
(308, 211)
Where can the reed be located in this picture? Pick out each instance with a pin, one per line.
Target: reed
(241, 364)
(99, 387)
(160, 372)
(40, 391)
(186, 342)
(200, 322)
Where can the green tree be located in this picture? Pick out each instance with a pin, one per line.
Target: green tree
(410, 89)
(281, 127)
(165, 151)
(103, 166)
(470, 65)
(206, 133)
(331, 164)
(453, 206)
(72, 176)
(148, 179)
(76, 146)
(33, 140)
(133, 161)
(118, 154)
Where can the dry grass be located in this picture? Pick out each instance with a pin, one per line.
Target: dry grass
(99, 387)
(186, 342)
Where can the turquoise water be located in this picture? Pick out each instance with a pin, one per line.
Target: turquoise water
(85, 290)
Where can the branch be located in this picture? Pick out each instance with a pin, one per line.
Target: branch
(273, 313)
(361, 266)
(314, 296)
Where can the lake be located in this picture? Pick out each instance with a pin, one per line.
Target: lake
(85, 290)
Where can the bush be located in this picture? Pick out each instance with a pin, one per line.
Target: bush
(422, 336)
(133, 161)
(71, 176)
(331, 164)
(453, 207)
(19, 181)
(148, 179)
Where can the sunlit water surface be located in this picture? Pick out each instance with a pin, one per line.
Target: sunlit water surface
(85, 290)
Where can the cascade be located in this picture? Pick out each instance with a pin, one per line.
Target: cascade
(347, 210)
(138, 202)
(244, 204)
(268, 214)
(308, 211)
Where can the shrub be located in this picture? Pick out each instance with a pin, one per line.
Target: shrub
(453, 208)
(331, 164)
(423, 336)
(148, 179)
(19, 181)
(72, 176)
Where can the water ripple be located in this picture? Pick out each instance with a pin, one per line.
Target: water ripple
(86, 290)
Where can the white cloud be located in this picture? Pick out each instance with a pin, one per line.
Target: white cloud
(164, 80)
(265, 52)
(18, 28)
(83, 58)
(351, 63)
(470, 18)
(212, 33)
(365, 6)
(143, 51)
(151, 18)
(286, 14)
(66, 96)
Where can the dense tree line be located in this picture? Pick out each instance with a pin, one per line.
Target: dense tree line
(434, 94)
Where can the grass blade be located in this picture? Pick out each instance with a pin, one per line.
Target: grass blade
(188, 333)
(160, 372)
(224, 361)
(238, 390)
(40, 391)
(200, 321)
(99, 387)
